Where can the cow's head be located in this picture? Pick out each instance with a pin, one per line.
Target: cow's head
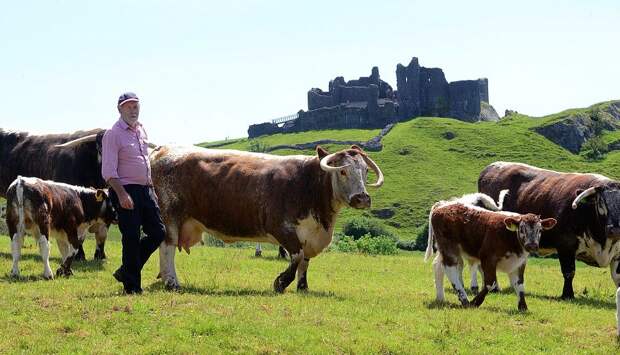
(528, 228)
(349, 171)
(604, 200)
(108, 214)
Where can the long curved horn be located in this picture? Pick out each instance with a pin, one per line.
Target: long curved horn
(376, 169)
(586, 193)
(89, 138)
(326, 159)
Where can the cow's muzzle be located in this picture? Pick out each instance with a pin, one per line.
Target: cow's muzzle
(531, 247)
(360, 200)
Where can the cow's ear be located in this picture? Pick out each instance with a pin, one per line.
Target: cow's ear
(548, 223)
(100, 195)
(322, 153)
(512, 224)
(357, 147)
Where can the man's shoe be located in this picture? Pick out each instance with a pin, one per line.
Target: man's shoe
(119, 275)
(133, 290)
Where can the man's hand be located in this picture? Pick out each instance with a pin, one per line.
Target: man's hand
(125, 201)
(123, 197)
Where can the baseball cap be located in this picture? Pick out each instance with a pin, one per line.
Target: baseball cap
(126, 97)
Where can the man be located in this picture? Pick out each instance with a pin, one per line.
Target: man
(125, 167)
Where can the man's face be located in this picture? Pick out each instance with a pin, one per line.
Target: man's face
(130, 111)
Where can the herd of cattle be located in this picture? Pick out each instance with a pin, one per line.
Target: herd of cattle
(293, 201)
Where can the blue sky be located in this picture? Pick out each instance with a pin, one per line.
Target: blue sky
(206, 70)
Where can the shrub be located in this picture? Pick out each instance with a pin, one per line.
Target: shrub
(367, 244)
(257, 146)
(359, 226)
(595, 148)
(421, 240)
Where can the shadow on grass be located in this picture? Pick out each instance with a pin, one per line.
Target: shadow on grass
(271, 258)
(449, 305)
(584, 301)
(29, 256)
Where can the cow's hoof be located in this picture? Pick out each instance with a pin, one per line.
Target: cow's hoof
(172, 285)
(522, 307)
(278, 285)
(99, 255)
(79, 256)
(62, 271)
(15, 274)
(49, 276)
(258, 253)
(302, 288)
(568, 297)
(474, 290)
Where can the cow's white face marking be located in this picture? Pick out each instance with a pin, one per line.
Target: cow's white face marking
(351, 181)
(590, 251)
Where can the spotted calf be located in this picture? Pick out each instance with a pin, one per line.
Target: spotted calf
(497, 240)
(46, 208)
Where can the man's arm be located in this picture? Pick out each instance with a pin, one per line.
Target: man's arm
(109, 169)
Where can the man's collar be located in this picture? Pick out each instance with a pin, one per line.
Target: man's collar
(124, 124)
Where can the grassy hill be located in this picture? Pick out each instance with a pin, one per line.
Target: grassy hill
(428, 159)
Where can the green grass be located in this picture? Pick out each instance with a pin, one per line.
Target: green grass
(302, 137)
(356, 304)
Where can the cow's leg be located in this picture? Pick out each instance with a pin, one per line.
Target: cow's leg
(167, 250)
(293, 246)
(614, 269)
(101, 235)
(461, 266)
(41, 234)
(302, 275)
(16, 251)
(438, 271)
(473, 271)
(73, 243)
(567, 265)
(516, 280)
(258, 251)
(282, 252)
(79, 254)
(490, 280)
(453, 271)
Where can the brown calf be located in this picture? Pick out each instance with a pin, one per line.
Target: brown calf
(47, 208)
(498, 240)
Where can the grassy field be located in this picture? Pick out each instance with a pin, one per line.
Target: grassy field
(356, 304)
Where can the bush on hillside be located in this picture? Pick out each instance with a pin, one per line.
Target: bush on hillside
(367, 244)
(357, 227)
(595, 148)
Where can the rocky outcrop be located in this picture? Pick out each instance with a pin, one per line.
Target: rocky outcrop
(572, 131)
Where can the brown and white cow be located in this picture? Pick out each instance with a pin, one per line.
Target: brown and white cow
(46, 208)
(586, 206)
(292, 201)
(497, 240)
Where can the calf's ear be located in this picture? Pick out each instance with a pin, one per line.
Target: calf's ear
(512, 224)
(322, 153)
(548, 223)
(100, 195)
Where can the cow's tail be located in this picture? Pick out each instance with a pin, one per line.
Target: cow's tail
(502, 197)
(488, 203)
(21, 219)
(431, 241)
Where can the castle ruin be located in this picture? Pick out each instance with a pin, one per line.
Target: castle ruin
(370, 102)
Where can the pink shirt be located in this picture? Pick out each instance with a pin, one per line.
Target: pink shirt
(124, 154)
